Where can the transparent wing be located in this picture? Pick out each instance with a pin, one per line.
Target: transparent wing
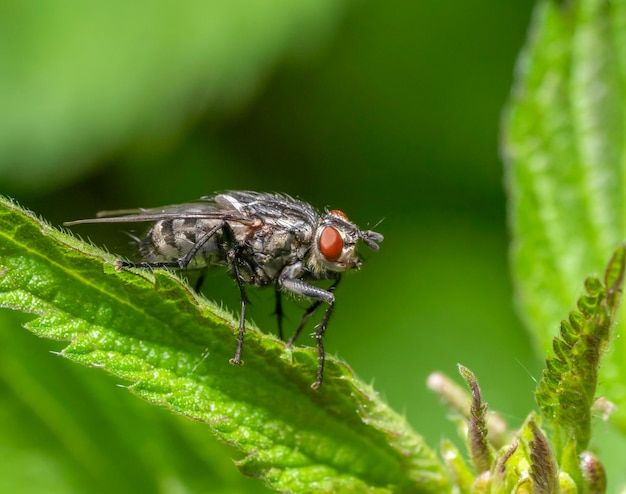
(192, 210)
(241, 206)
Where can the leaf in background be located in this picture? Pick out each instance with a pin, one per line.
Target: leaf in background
(174, 347)
(80, 80)
(564, 153)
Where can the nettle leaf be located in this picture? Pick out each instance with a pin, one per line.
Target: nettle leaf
(173, 346)
(567, 389)
(481, 452)
(563, 145)
(564, 154)
(531, 460)
(544, 471)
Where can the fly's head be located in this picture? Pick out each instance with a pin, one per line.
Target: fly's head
(335, 243)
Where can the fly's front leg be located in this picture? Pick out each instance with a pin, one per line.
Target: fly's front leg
(320, 295)
(309, 312)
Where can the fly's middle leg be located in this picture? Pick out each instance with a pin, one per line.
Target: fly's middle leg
(233, 258)
(279, 312)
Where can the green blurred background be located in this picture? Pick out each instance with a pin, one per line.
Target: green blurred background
(385, 110)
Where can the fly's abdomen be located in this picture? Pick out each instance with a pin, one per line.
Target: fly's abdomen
(171, 240)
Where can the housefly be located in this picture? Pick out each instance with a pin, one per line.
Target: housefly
(262, 239)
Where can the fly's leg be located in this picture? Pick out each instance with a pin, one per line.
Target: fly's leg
(119, 264)
(233, 259)
(279, 312)
(232, 255)
(319, 335)
(309, 312)
(320, 295)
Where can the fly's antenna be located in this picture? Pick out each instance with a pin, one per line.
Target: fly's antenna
(379, 222)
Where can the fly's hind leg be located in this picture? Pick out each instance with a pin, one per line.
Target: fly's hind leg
(181, 263)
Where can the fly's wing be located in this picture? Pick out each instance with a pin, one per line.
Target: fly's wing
(279, 209)
(207, 209)
(244, 207)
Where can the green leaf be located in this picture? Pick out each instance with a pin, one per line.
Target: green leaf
(461, 474)
(563, 148)
(505, 476)
(593, 472)
(567, 389)
(481, 452)
(173, 347)
(69, 429)
(544, 471)
(462, 406)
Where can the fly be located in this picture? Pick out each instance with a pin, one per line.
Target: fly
(262, 239)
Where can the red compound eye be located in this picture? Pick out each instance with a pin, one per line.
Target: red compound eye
(331, 244)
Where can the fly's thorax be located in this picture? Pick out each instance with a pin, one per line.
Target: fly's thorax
(272, 247)
(334, 246)
(172, 239)
(282, 238)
